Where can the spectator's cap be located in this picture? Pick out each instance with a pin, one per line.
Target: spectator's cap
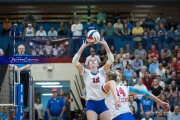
(15, 24)
(140, 44)
(29, 24)
(54, 89)
(92, 50)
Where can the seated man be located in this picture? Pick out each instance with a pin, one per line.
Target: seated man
(6, 26)
(41, 32)
(52, 32)
(15, 31)
(4, 114)
(93, 54)
(101, 18)
(29, 19)
(1, 52)
(174, 115)
(29, 31)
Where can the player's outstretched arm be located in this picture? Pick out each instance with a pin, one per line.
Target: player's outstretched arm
(109, 54)
(111, 85)
(164, 105)
(77, 56)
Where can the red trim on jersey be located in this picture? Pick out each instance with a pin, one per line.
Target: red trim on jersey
(102, 88)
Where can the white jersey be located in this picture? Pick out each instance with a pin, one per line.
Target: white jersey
(29, 32)
(123, 93)
(93, 83)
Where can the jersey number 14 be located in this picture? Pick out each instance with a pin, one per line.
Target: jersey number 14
(96, 80)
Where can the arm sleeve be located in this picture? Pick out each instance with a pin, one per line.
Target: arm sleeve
(147, 93)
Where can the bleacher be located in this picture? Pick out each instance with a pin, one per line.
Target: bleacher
(57, 13)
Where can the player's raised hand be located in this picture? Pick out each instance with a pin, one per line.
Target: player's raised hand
(84, 44)
(102, 41)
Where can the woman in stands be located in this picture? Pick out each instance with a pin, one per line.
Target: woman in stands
(123, 112)
(94, 79)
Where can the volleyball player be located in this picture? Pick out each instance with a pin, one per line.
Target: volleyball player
(123, 112)
(94, 78)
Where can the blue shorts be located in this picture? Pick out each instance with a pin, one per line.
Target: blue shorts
(97, 106)
(125, 116)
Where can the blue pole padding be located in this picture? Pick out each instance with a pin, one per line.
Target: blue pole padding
(20, 101)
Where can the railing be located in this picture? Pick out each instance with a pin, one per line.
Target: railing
(68, 47)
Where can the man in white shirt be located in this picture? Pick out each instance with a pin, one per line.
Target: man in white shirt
(93, 54)
(52, 32)
(41, 32)
(76, 31)
(1, 52)
(160, 70)
(174, 115)
(140, 86)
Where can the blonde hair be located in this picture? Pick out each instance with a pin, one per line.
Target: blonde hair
(111, 75)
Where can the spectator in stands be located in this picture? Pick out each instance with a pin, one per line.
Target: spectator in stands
(132, 109)
(164, 61)
(120, 79)
(101, 18)
(162, 98)
(152, 53)
(131, 18)
(141, 53)
(125, 31)
(118, 26)
(171, 37)
(6, 26)
(110, 32)
(115, 16)
(167, 52)
(174, 65)
(177, 100)
(89, 27)
(137, 64)
(69, 32)
(149, 22)
(128, 72)
(29, 19)
(178, 82)
(48, 49)
(147, 80)
(140, 86)
(62, 29)
(156, 89)
(177, 31)
(173, 77)
(147, 116)
(160, 116)
(129, 50)
(41, 32)
(76, 29)
(175, 51)
(4, 114)
(29, 31)
(161, 71)
(161, 19)
(174, 115)
(143, 72)
(155, 40)
(15, 31)
(153, 66)
(121, 55)
(1, 52)
(55, 107)
(170, 23)
(130, 26)
(145, 39)
(117, 65)
(161, 83)
(112, 49)
(134, 80)
(55, 51)
(133, 103)
(102, 53)
(171, 95)
(61, 95)
(146, 105)
(52, 32)
(92, 54)
(40, 108)
(126, 60)
(137, 33)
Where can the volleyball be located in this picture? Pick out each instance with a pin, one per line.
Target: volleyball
(93, 36)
